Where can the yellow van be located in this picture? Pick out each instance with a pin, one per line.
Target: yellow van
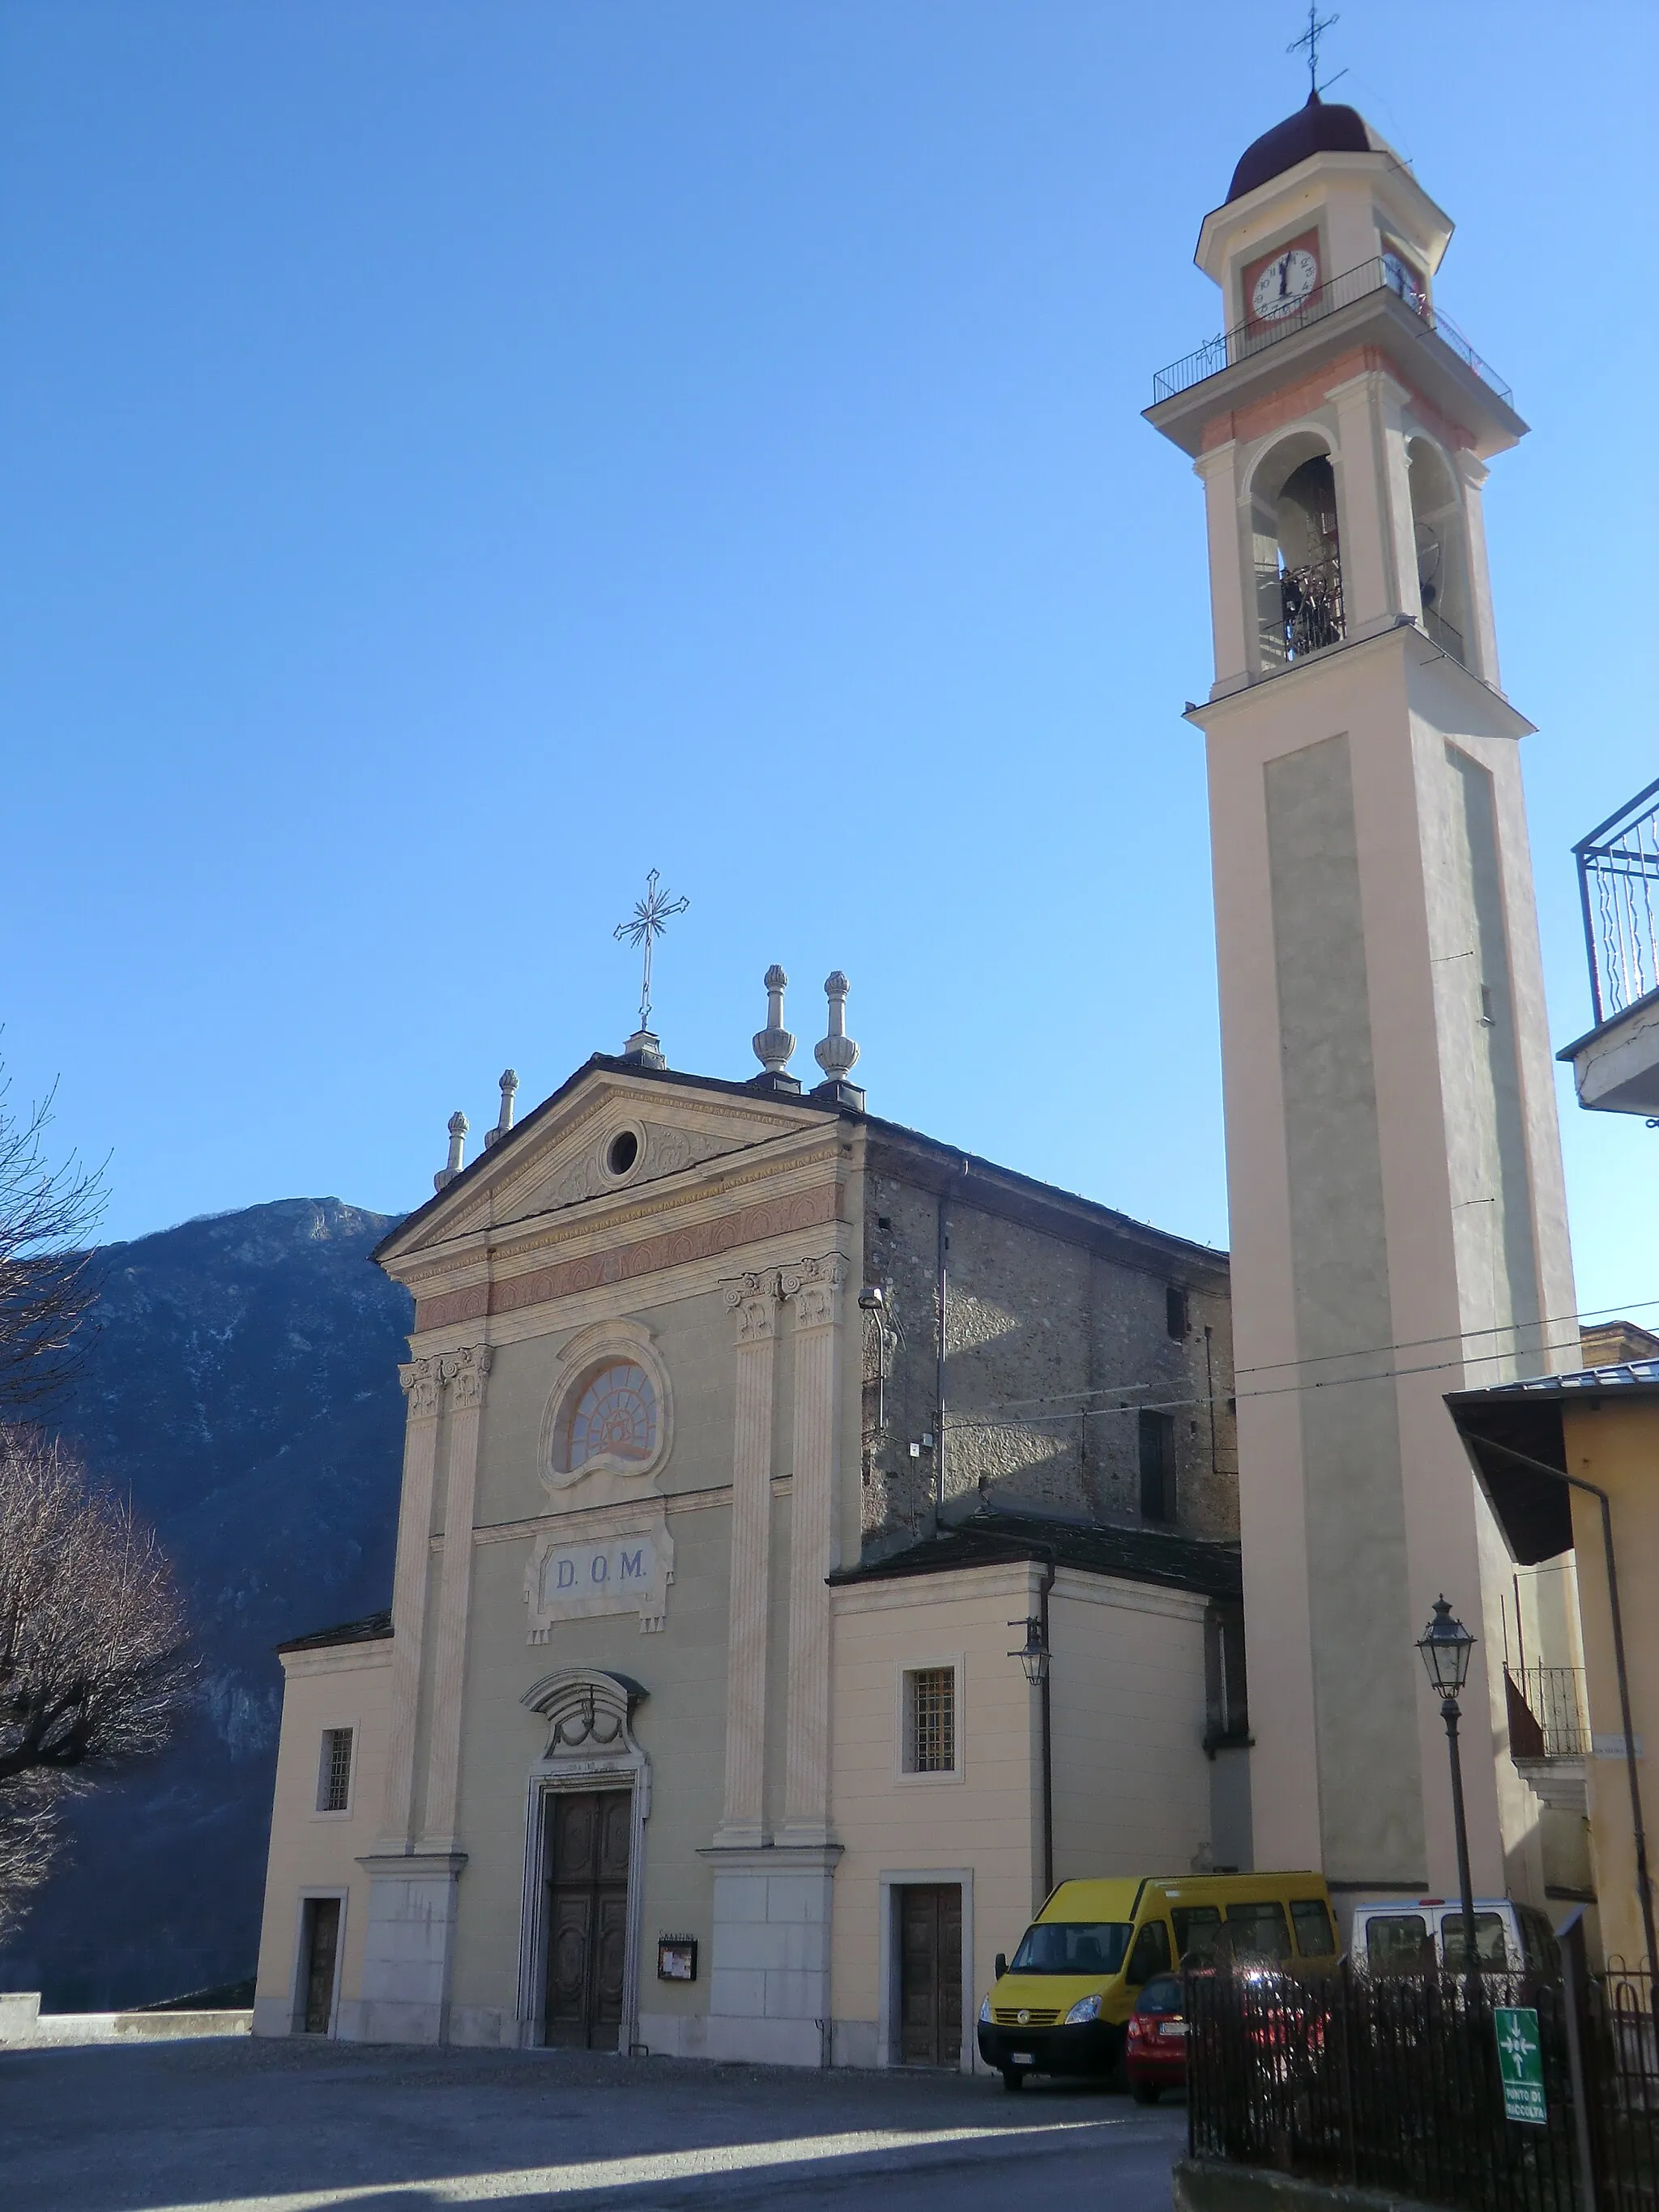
(1061, 2005)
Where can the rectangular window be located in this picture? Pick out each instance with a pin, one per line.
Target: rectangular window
(930, 1720)
(1157, 1488)
(1490, 1952)
(334, 1774)
(1315, 1937)
(1150, 1955)
(1197, 1934)
(1398, 1943)
(1257, 1932)
(1175, 1313)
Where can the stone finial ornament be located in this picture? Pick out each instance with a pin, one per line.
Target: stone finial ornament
(504, 1125)
(459, 1126)
(836, 1053)
(773, 1045)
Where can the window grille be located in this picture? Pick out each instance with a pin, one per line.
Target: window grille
(931, 1718)
(334, 1782)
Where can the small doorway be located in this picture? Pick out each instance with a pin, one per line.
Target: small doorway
(319, 1947)
(588, 1835)
(930, 1974)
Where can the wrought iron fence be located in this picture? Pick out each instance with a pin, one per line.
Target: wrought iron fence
(1552, 1699)
(1618, 890)
(1622, 2084)
(1383, 2082)
(1394, 2082)
(1383, 274)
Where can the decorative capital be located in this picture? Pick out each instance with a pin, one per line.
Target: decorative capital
(814, 1285)
(753, 1298)
(467, 1370)
(422, 1380)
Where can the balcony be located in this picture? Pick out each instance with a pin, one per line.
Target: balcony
(1546, 1713)
(1383, 274)
(1616, 1065)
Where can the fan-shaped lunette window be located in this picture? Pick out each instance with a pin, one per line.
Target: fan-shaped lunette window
(614, 1418)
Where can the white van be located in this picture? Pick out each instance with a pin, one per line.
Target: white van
(1411, 1936)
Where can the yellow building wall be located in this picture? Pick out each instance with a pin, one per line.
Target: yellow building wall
(347, 1685)
(1617, 1448)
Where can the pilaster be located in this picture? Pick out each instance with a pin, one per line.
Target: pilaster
(465, 1371)
(814, 1288)
(754, 1301)
(1230, 555)
(1473, 473)
(1368, 524)
(423, 1383)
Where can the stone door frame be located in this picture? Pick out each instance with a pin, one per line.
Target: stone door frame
(590, 1747)
(889, 2040)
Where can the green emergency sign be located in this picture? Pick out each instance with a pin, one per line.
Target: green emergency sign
(1520, 2064)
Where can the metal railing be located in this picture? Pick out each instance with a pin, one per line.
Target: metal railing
(1382, 274)
(1618, 890)
(1388, 2082)
(1446, 636)
(1302, 610)
(1552, 1700)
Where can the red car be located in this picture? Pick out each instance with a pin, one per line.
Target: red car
(1155, 2053)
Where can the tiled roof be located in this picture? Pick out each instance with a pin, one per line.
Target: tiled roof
(1624, 1375)
(374, 1628)
(1140, 1555)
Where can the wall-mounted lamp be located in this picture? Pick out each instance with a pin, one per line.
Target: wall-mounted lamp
(1033, 1654)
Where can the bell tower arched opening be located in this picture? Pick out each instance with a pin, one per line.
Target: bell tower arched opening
(1439, 535)
(1298, 556)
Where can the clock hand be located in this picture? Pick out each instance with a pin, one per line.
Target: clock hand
(1284, 275)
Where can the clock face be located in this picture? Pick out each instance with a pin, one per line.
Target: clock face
(1284, 284)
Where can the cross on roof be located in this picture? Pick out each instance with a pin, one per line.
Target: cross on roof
(1317, 24)
(650, 918)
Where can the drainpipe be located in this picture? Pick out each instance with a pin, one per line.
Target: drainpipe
(1048, 1736)
(1643, 1882)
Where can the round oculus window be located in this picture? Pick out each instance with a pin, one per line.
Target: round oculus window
(615, 1418)
(625, 1150)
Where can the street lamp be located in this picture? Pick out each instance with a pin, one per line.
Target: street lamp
(1445, 1645)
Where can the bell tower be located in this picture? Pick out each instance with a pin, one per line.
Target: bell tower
(1398, 1216)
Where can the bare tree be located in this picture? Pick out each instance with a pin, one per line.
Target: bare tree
(48, 1271)
(94, 1668)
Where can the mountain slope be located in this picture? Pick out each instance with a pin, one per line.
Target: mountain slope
(243, 1383)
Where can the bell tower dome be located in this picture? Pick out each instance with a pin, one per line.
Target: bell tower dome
(1398, 1216)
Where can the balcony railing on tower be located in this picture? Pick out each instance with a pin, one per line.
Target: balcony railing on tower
(1302, 609)
(1384, 273)
(1619, 889)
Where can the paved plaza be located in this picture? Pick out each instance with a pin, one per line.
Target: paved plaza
(284, 2126)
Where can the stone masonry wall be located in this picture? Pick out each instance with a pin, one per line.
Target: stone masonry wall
(1057, 1338)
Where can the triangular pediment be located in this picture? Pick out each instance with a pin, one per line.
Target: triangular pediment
(563, 1157)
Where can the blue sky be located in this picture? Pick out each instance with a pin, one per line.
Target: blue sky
(454, 458)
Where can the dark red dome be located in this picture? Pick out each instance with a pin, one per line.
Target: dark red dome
(1314, 129)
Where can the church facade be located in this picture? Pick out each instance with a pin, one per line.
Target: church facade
(759, 1453)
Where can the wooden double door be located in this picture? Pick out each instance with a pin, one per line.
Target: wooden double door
(930, 1974)
(588, 1834)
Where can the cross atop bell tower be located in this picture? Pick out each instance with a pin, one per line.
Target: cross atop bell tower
(1398, 1218)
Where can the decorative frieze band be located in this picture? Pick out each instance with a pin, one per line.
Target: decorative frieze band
(703, 1240)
